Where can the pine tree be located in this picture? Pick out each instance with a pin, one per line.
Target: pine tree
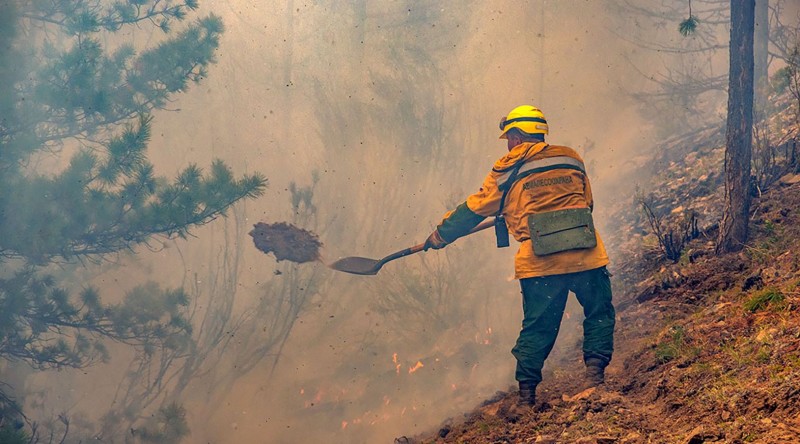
(75, 180)
(739, 131)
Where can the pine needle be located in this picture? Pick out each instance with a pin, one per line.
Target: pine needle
(688, 26)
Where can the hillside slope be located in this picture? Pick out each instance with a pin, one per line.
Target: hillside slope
(708, 347)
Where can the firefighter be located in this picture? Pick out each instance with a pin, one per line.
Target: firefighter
(541, 194)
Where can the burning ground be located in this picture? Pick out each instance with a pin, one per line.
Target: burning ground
(708, 347)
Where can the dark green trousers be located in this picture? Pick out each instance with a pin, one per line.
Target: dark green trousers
(543, 302)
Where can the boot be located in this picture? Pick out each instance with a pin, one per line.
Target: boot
(527, 393)
(595, 371)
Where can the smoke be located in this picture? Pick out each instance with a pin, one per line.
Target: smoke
(385, 114)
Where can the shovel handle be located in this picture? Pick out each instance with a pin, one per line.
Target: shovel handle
(417, 248)
(401, 253)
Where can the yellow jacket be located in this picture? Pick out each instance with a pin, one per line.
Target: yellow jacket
(551, 178)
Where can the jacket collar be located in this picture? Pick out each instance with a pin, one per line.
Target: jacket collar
(522, 152)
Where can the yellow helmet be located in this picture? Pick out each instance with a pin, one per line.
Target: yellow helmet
(527, 118)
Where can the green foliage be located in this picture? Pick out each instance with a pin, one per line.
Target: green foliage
(764, 298)
(107, 198)
(788, 77)
(102, 205)
(47, 327)
(169, 427)
(10, 435)
(76, 104)
(11, 421)
(675, 345)
(78, 88)
(688, 26)
(782, 79)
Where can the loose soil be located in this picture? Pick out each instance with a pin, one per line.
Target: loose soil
(286, 242)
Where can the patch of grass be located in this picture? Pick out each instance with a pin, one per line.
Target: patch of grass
(705, 369)
(685, 260)
(769, 227)
(674, 346)
(772, 241)
(750, 436)
(763, 355)
(723, 388)
(792, 360)
(762, 299)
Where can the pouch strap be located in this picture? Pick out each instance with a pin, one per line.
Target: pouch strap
(506, 186)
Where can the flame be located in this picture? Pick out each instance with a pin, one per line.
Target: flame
(344, 425)
(396, 365)
(453, 386)
(302, 391)
(416, 367)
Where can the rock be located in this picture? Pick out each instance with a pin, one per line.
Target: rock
(696, 436)
(766, 335)
(754, 280)
(699, 435)
(648, 293)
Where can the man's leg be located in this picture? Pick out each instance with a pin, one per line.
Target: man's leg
(543, 302)
(593, 290)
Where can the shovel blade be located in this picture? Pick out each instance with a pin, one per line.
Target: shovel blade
(357, 265)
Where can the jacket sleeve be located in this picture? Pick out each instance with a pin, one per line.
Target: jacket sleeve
(484, 203)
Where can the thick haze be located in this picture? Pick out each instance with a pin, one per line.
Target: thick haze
(388, 110)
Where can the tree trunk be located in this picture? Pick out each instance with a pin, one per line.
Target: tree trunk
(761, 57)
(739, 132)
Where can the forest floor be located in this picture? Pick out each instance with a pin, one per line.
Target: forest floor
(707, 347)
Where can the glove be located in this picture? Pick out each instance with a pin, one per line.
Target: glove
(434, 241)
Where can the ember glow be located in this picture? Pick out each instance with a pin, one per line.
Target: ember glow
(396, 364)
(416, 367)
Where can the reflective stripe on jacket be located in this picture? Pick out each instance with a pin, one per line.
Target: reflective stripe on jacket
(551, 178)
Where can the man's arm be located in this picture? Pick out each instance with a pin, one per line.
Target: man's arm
(459, 222)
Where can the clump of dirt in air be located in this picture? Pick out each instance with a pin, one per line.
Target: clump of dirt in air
(286, 242)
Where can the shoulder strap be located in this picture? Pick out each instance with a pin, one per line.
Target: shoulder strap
(505, 186)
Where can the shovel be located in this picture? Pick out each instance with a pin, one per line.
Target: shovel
(369, 267)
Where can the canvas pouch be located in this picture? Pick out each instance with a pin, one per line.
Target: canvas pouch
(562, 230)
